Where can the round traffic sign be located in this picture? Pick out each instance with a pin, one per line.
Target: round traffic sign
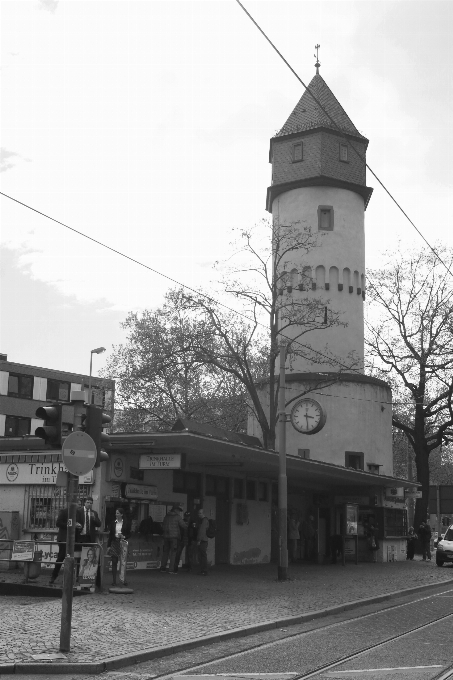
(79, 453)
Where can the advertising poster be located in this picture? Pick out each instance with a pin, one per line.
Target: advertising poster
(123, 561)
(23, 551)
(351, 520)
(89, 562)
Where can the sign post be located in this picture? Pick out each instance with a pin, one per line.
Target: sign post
(79, 456)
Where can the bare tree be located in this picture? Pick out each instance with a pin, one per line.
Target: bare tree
(159, 377)
(246, 344)
(412, 343)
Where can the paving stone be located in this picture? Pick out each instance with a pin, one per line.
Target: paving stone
(167, 612)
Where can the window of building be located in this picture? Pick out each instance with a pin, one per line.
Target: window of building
(250, 490)
(20, 386)
(58, 390)
(303, 453)
(262, 491)
(187, 482)
(354, 459)
(15, 426)
(43, 503)
(298, 152)
(344, 153)
(210, 485)
(238, 488)
(136, 473)
(97, 395)
(325, 218)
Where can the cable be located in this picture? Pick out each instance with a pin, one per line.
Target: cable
(155, 271)
(362, 158)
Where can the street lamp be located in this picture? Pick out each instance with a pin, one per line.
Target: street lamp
(98, 350)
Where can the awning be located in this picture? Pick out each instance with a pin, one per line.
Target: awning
(211, 454)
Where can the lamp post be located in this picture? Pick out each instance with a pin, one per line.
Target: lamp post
(98, 350)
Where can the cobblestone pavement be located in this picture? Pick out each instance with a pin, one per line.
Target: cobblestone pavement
(166, 609)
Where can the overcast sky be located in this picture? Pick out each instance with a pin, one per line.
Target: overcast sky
(146, 125)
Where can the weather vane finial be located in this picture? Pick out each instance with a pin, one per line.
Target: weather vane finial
(317, 59)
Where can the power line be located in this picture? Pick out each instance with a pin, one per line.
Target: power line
(169, 278)
(361, 157)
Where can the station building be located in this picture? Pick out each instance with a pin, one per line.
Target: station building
(339, 432)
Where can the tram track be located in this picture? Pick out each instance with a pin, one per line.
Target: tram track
(445, 674)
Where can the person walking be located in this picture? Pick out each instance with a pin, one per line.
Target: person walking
(62, 524)
(202, 542)
(172, 525)
(424, 534)
(119, 528)
(411, 538)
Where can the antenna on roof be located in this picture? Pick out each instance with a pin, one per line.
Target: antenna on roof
(317, 59)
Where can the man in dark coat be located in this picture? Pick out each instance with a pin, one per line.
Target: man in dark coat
(62, 524)
(424, 534)
(90, 522)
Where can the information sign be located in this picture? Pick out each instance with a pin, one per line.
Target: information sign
(23, 551)
(160, 461)
(79, 453)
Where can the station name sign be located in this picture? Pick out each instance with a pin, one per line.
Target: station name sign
(36, 473)
(160, 461)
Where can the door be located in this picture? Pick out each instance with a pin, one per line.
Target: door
(222, 537)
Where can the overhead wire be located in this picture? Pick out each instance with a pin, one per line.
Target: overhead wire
(169, 278)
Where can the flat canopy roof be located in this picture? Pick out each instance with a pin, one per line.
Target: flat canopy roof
(213, 453)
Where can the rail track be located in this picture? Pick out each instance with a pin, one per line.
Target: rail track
(423, 607)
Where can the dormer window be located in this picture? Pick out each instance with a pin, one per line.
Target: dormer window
(344, 153)
(298, 152)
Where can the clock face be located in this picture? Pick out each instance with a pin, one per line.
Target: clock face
(308, 416)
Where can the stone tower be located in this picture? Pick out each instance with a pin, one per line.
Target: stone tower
(318, 181)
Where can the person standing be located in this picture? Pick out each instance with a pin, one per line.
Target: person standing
(411, 538)
(62, 524)
(183, 542)
(202, 542)
(172, 525)
(424, 534)
(91, 522)
(119, 528)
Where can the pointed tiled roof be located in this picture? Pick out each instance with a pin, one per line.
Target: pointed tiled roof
(307, 114)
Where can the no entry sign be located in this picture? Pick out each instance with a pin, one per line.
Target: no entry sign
(79, 453)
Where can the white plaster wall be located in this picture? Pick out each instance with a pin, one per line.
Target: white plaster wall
(344, 247)
(359, 418)
(251, 542)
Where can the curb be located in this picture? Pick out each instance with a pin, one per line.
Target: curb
(113, 663)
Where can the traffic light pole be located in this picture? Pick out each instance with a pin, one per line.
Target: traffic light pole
(69, 563)
(68, 567)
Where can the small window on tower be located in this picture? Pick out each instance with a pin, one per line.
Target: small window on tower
(298, 152)
(344, 153)
(325, 218)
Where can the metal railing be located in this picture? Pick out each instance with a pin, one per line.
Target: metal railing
(6, 548)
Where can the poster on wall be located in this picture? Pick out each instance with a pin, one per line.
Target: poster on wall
(89, 562)
(351, 520)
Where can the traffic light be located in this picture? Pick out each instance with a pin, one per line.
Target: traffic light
(92, 423)
(51, 431)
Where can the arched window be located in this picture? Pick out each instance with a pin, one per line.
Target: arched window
(347, 279)
(333, 278)
(306, 281)
(320, 277)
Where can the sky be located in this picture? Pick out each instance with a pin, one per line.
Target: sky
(145, 125)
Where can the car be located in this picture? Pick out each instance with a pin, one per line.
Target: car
(444, 551)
